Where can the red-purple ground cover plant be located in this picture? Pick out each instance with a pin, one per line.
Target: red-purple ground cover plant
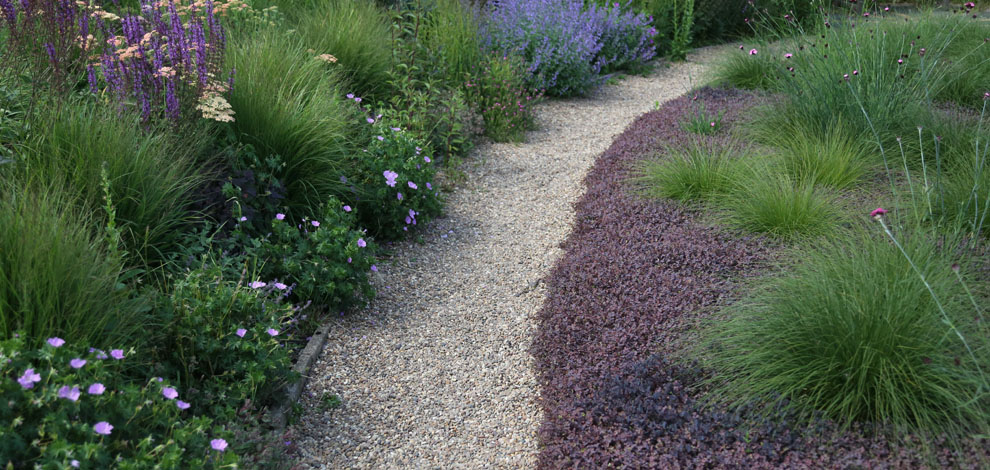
(634, 270)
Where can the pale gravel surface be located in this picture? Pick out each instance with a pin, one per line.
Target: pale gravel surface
(436, 373)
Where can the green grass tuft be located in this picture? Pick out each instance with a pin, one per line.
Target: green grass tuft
(837, 157)
(769, 202)
(56, 277)
(286, 102)
(698, 170)
(852, 331)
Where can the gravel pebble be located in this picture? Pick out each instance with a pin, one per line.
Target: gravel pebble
(436, 372)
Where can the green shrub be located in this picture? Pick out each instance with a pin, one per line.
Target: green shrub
(395, 185)
(323, 260)
(358, 34)
(153, 174)
(423, 102)
(772, 203)
(291, 104)
(216, 339)
(499, 93)
(56, 277)
(66, 408)
(853, 332)
(699, 170)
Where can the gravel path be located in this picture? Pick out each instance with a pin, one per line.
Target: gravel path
(436, 373)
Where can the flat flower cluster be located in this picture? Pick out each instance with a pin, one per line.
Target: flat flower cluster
(71, 409)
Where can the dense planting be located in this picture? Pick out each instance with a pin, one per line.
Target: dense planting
(192, 185)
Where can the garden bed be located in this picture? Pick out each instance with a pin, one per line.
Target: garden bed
(622, 307)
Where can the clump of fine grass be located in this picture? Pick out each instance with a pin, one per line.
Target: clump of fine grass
(56, 275)
(153, 174)
(698, 170)
(836, 157)
(749, 72)
(852, 331)
(769, 202)
(357, 33)
(288, 103)
(451, 31)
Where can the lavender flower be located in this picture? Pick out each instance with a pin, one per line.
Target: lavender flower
(240, 332)
(56, 342)
(96, 389)
(71, 394)
(103, 428)
(218, 445)
(170, 393)
(29, 378)
(77, 363)
(117, 354)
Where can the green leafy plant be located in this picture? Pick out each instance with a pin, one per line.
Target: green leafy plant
(683, 21)
(701, 122)
(499, 93)
(323, 260)
(68, 408)
(395, 189)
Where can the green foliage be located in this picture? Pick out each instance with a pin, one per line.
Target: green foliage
(322, 261)
(422, 101)
(451, 31)
(389, 210)
(200, 344)
(852, 331)
(750, 72)
(499, 93)
(772, 203)
(51, 414)
(56, 276)
(153, 175)
(683, 19)
(290, 104)
(699, 170)
(702, 123)
(357, 33)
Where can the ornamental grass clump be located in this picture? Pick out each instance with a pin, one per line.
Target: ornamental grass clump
(562, 42)
(862, 328)
(698, 170)
(56, 276)
(766, 201)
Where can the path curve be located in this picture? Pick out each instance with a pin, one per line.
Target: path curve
(436, 372)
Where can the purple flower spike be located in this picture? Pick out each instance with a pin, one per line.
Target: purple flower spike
(56, 342)
(218, 445)
(103, 428)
